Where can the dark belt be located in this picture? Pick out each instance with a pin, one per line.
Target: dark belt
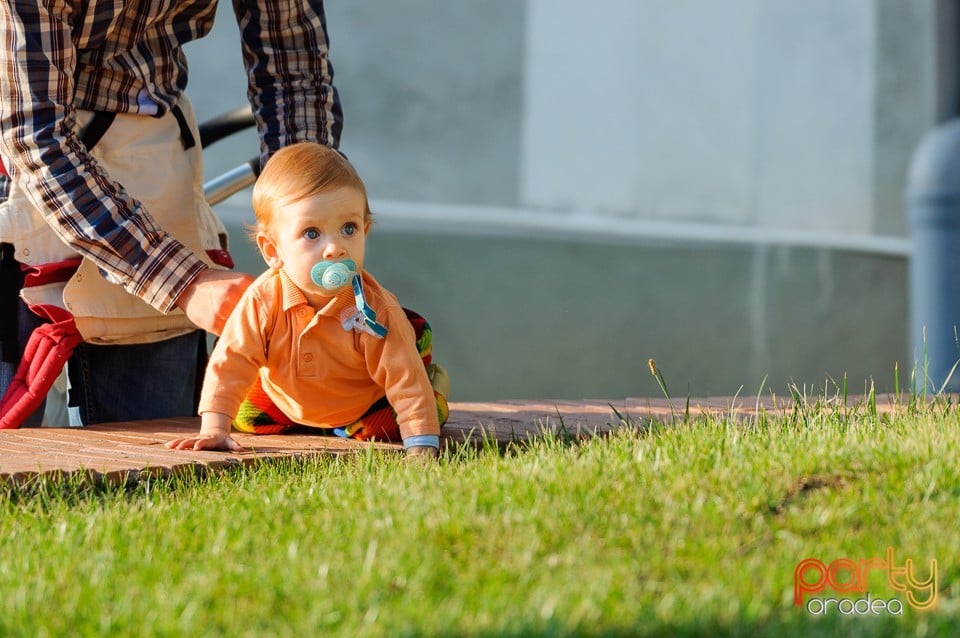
(94, 130)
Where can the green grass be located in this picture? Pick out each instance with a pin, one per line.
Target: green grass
(692, 529)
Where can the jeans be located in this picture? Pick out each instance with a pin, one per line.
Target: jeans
(124, 383)
(139, 381)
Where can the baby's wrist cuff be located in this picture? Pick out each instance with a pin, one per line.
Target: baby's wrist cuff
(422, 440)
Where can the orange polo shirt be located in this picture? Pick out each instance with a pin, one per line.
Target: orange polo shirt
(318, 373)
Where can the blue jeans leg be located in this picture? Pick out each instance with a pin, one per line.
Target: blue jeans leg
(140, 381)
(26, 322)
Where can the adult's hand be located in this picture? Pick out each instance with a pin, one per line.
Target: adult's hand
(211, 297)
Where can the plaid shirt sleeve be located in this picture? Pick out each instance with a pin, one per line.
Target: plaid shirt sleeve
(290, 89)
(290, 78)
(79, 201)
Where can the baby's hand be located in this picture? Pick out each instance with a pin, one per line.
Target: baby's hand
(206, 442)
(422, 453)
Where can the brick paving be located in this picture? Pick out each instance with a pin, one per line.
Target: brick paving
(126, 450)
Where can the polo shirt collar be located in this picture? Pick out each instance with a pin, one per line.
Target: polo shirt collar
(293, 297)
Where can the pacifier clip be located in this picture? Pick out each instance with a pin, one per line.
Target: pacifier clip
(366, 314)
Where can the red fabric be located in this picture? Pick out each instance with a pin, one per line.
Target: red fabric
(221, 258)
(46, 353)
(55, 271)
(3, 170)
(379, 424)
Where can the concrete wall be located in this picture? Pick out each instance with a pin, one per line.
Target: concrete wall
(788, 124)
(518, 317)
(777, 113)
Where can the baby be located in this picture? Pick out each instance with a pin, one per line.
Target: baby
(316, 341)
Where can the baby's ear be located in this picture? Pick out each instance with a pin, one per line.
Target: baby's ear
(268, 250)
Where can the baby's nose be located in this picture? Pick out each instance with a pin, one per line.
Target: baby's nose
(332, 250)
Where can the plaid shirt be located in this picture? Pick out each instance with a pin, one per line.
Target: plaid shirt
(57, 56)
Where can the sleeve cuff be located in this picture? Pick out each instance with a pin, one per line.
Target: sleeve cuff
(422, 440)
(165, 273)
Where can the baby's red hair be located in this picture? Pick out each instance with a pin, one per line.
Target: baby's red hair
(299, 171)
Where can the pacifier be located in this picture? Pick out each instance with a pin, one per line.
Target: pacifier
(333, 275)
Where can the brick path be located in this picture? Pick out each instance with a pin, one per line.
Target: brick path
(115, 451)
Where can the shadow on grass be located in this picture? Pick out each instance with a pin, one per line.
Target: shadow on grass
(81, 486)
(551, 434)
(788, 626)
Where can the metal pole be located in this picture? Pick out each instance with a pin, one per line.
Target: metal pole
(219, 188)
(933, 217)
(947, 63)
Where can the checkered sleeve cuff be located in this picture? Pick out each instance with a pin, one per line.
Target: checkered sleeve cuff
(164, 273)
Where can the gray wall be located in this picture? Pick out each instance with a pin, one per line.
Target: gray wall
(773, 113)
(790, 123)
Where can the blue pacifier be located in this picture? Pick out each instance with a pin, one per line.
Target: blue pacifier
(333, 275)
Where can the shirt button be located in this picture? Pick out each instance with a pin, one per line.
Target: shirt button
(308, 357)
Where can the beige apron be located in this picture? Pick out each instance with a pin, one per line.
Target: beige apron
(144, 154)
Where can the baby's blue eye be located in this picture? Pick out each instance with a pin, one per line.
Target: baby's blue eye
(311, 233)
(349, 229)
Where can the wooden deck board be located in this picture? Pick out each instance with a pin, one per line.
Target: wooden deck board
(115, 450)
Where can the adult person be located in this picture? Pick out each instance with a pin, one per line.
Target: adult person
(105, 215)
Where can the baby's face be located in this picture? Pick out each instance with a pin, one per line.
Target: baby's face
(326, 227)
